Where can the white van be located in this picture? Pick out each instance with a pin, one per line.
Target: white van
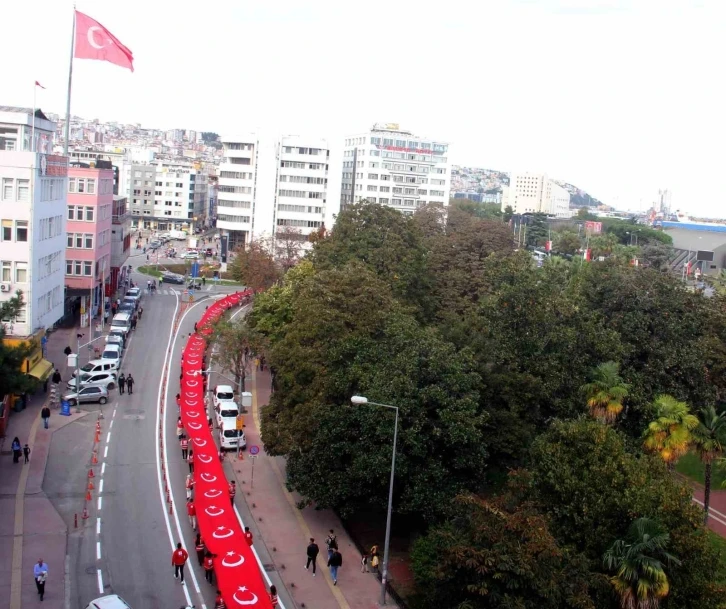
(229, 436)
(226, 409)
(122, 322)
(99, 365)
(223, 393)
(112, 601)
(112, 353)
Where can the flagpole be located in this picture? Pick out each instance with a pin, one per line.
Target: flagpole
(70, 81)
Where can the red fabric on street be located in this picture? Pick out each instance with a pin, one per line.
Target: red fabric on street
(238, 576)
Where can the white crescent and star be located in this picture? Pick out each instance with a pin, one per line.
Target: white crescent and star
(208, 477)
(200, 442)
(253, 601)
(194, 425)
(193, 414)
(204, 458)
(229, 532)
(213, 511)
(192, 382)
(213, 494)
(91, 37)
(226, 562)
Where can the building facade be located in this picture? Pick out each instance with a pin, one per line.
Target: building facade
(180, 196)
(33, 191)
(530, 193)
(395, 168)
(236, 191)
(120, 242)
(140, 180)
(88, 236)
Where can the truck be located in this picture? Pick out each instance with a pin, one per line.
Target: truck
(178, 234)
(192, 243)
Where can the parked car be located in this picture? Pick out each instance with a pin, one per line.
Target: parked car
(112, 601)
(170, 277)
(99, 379)
(112, 353)
(226, 410)
(223, 393)
(190, 255)
(230, 437)
(87, 394)
(115, 339)
(99, 365)
(122, 322)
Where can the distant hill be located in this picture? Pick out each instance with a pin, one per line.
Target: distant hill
(490, 181)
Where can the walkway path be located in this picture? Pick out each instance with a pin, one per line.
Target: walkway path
(285, 530)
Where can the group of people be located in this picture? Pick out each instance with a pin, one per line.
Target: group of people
(19, 451)
(126, 383)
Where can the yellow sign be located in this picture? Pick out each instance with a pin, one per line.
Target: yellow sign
(240, 422)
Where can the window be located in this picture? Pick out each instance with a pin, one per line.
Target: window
(69, 239)
(21, 272)
(23, 190)
(89, 214)
(78, 267)
(21, 230)
(372, 188)
(71, 184)
(7, 233)
(7, 189)
(88, 241)
(7, 271)
(79, 241)
(69, 267)
(88, 268)
(71, 211)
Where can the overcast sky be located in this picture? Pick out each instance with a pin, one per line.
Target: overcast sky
(619, 97)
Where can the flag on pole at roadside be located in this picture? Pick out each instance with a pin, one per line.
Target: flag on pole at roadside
(37, 84)
(94, 41)
(548, 246)
(587, 255)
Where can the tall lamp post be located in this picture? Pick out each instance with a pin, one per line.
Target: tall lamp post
(359, 400)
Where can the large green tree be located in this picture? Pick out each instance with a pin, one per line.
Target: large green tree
(347, 336)
(12, 379)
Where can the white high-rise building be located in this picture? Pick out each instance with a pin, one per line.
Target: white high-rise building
(180, 196)
(396, 168)
(236, 193)
(33, 187)
(530, 193)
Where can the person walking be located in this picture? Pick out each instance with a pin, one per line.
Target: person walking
(184, 443)
(190, 486)
(121, 383)
(178, 402)
(17, 449)
(248, 536)
(219, 601)
(141, 312)
(179, 427)
(190, 460)
(335, 562)
(312, 552)
(232, 491)
(133, 323)
(209, 567)
(273, 596)
(57, 377)
(192, 513)
(375, 559)
(45, 415)
(26, 453)
(178, 560)
(130, 383)
(331, 542)
(364, 563)
(40, 574)
(199, 548)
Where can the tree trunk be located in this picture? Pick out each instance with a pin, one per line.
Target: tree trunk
(706, 491)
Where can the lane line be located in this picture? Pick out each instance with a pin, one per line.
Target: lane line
(114, 413)
(100, 502)
(164, 370)
(105, 452)
(100, 486)
(98, 550)
(98, 526)
(110, 425)
(103, 468)
(108, 437)
(710, 514)
(100, 581)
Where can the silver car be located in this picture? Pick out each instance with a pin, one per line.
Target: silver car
(87, 394)
(98, 379)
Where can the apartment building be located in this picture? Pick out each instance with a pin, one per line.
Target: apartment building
(395, 168)
(88, 235)
(33, 191)
(301, 189)
(529, 193)
(236, 190)
(180, 193)
(120, 242)
(140, 180)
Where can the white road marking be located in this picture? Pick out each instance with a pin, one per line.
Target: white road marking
(100, 581)
(98, 526)
(103, 468)
(114, 413)
(711, 512)
(110, 425)
(98, 550)
(100, 487)
(100, 501)
(108, 437)
(105, 452)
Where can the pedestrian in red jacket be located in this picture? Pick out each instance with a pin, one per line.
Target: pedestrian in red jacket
(248, 536)
(178, 560)
(192, 513)
(209, 567)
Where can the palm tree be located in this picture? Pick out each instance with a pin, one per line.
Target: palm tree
(640, 579)
(709, 439)
(606, 392)
(670, 434)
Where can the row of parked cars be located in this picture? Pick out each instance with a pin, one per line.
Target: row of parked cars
(100, 375)
(226, 412)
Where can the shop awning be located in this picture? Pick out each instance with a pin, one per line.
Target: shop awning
(42, 370)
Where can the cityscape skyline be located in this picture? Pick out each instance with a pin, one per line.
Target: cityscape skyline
(555, 96)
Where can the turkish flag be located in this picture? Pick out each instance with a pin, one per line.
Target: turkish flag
(93, 41)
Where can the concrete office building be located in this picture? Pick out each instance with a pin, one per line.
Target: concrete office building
(530, 193)
(180, 192)
(238, 173)
(393, 167)
(33, 191)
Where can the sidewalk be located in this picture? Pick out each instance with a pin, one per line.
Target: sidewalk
(285, 530)
(31, 528)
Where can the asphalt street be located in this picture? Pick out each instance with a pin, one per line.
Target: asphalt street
(125, 546)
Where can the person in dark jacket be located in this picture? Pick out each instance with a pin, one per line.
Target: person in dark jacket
(312, 553)
(335, 562)
(121, 383)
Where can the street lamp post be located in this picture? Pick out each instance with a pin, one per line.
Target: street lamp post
(358, 400)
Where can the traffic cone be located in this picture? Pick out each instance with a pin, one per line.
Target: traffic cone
(98, 427)
(88, 496)
(91, 474)
(84, 515)
(90, 486)
(97, 439)
(94, 459)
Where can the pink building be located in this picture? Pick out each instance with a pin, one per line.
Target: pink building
(88, 234)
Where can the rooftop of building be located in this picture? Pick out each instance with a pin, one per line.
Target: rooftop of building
(28, 111)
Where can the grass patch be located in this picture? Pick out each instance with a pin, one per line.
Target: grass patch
(182, 270)
(718, 543)
(690, 465)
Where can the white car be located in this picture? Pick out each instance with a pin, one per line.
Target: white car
(190, 255)
(112, 353)
(99, 379)
(230, 436)
(223, 393)
(226, 410)
(98, 365)
(112, 601)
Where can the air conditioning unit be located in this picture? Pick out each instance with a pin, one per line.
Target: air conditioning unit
(5, 286)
